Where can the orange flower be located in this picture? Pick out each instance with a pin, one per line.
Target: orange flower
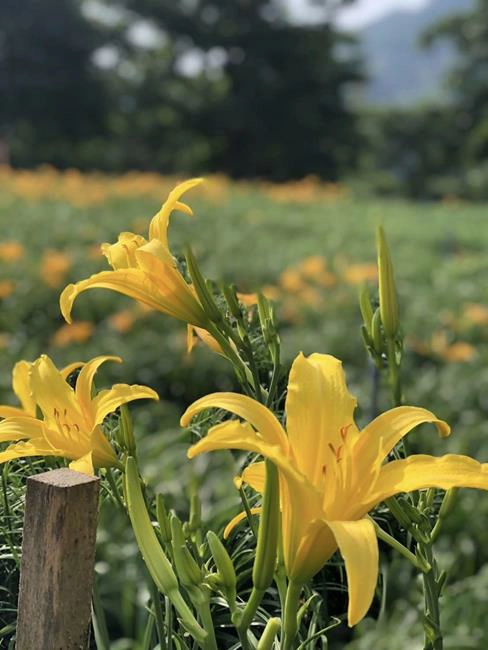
(74, 333)
(476, 313)
(54, 266)
(6, 288)
(313, 265)
(291, 280)
(358, 273)
(122, 321)
(11, 251)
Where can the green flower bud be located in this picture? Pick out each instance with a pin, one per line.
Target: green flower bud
(366, 308)
(272, 628)
(163, 519)
(127, 430)
(189, 572)
(376, 332)
(387, 289)
(224, 566)
(230, 295)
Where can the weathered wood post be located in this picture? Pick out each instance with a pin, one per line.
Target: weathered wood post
(58, 554)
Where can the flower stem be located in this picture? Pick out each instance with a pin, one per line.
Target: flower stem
(432, 625)
(290, 622)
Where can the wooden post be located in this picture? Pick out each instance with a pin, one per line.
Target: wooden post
(58, 554)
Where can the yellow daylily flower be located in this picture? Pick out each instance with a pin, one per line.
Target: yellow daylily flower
(21, 386)
(331, 474)
(71, 420)
(145, 269)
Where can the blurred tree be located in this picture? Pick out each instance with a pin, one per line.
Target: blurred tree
(468, 80)
(52, 97)
(263, 97)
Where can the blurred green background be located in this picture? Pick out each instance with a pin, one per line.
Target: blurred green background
(311, 127)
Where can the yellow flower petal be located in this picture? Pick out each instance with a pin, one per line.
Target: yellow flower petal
(122, 254)
(381, 435)
(71, 367)
(158, 228)
(107, 401)
(176, 297)
(237, 520)
(83, 464)
(312, 551)
(53, 395)
(23, 449)
(22, 386)
(129, 282)
(259, 416)
(359, 547)
(20, 428)
(195, 333)
(255, 476)
(318, 408)
(102, 453)
(84, 382)
(12, 412)
(422, 471)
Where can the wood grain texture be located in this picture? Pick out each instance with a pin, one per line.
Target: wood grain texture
(58, 554)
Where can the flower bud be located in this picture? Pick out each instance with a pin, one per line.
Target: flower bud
(224, 566)
(188, 570)
(366, 308)
(230, 295)
(387, 288)
(163, 519)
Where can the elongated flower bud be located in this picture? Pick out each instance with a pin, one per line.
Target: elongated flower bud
(230, 295)
(366, 308)
(188, 570)
(163, 519)
(156, 561)
(266, 642)
(224, 566)
(387, 288)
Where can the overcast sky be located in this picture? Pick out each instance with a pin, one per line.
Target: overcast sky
(361, 13)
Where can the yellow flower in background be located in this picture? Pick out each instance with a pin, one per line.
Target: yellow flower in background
(476, 313)
(70, 421)
(146, 270)
(54, 267)
(359, 273)
(11, 251)
(7, 287)
(78, 332)
(331, 474)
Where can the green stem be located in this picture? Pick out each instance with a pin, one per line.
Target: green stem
(432, 625)
(207, 624)
(290, 622)
(247, 615)
(394, 543)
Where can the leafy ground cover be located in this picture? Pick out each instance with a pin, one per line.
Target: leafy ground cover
(309, 247)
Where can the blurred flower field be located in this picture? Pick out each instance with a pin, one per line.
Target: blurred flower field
(308, 247)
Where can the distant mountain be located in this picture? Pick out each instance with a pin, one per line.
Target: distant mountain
(400, 72)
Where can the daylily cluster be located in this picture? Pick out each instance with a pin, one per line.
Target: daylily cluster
(70, 419)
(331, 474)
(326, 473)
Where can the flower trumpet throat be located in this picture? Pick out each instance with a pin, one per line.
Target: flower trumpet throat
(70, 422)
(145, 269)
(331, 474)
